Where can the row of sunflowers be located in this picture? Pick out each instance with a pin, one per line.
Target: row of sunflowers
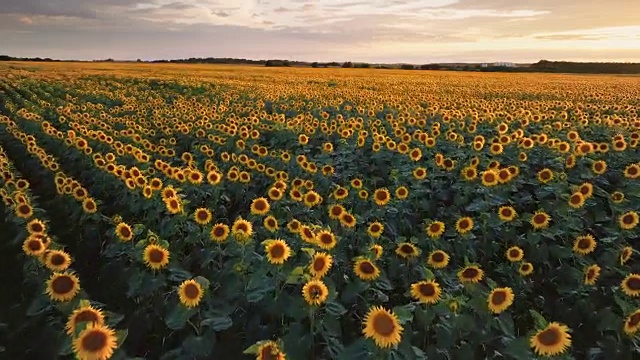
(265, 213)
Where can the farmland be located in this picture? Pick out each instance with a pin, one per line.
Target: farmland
(204, 211)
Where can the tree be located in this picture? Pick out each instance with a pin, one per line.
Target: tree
(347, 64)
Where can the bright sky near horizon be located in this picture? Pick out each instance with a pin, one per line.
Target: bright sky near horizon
(390, 31)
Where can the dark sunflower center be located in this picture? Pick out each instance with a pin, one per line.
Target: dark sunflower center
(489, 177)
(294, 225)
(470, 173)
(383, 324)
(191, 291)
(260, 205)
(539, 219)
(125, 232)
(549, 337)
(633, 283)
(584, 190)
(599, 166)
(318, 264)
(448, 163)
(381, 195)
(156, 256)
(498, 297)
(241, 227)
(435, 228)
(544, 175)
(326, 239)
(347, 218)
(504, 174)
(627, 219)
(506, 212)
(57, 259)
(464, 224)
(315, 291)
(94, 341)
(86, 316)
(375, 228)
(633, 170)
(267, 353)
(36, 227)
(35, 245)
(367, 268)
(340, 192)
(271, 223)
(427, 289)
(437, 257)
(62, 284)
(24, 209)
(202, 215)
(524, 267)
(90, 205)
(470, 273)
(591, 274)
(576, 199)
(406, 249)
(634, 319)
(514, 253)
(584, 243)
(277, 251)
(218, 231)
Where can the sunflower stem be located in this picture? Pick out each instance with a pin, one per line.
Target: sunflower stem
(194, 327)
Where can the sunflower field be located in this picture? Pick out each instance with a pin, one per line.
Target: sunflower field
(228, 212)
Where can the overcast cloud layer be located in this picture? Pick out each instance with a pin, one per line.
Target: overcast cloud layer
(415, 31)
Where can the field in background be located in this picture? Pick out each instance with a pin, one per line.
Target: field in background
(199, 211)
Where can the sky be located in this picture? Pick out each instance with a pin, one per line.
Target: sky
(377, 31)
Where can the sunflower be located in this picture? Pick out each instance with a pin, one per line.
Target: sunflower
(591, 274)
(599, 167)
(335, 211)
(628, 220)
(375, 229)
(325, 239)
(95, 342)
(173, 205)
(419, 173)
(586, 189)
(219, 232)
(363, 194)
(381, 196)
(190, 293)
(155, 256)
(525, 269)
(315, 292)
(340, 193)
(321, 262)
(294, 226)
(438, 259)
(632, 323)
(260, 206)
(464, 225)
(407, 250)
(427, 291)
(278, 251)
(242, 230)
(469, 173)
(347, 220)
(312, 198)
(84, 313)
(625, 254)
(202, 216)
(435, 229)
(631, 285)
(270, 223)
(366, 270)
(576, 200)
(545, 175)
(540, 220)
(632, 171)
(124, 232)
(168, 193)
(36, 227)
(489, 177)
(507, 213)
(617, 197)
(276, 194)
(553, 340)
(270, 351)
(383, 327)
(514, 254)
(33, 246)
(402, 192)
(57, 260)
(584, 244)
(377, 250)
(62, 286)
(470, 274)
(24, 211)
(500, 299)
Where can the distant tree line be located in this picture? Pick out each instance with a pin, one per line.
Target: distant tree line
(541, 66)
